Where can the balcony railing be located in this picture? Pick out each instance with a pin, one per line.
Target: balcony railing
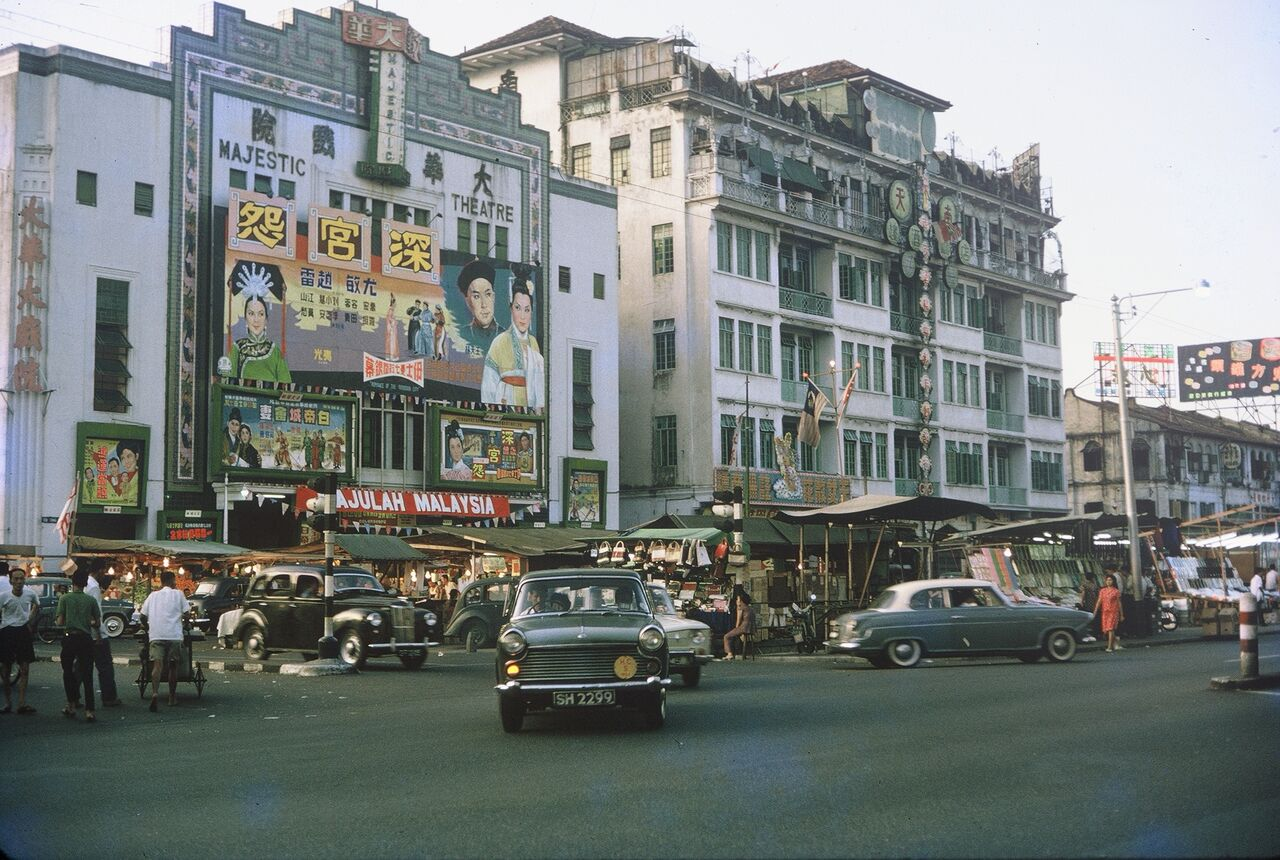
(1001, 264)
(775, 200)
(905, 323)
(1016, 496)
(906, 486)
(997, 420)
(572, 109)
(749, 192)
(1001, 343)
(805, 303)
(906, 407)
(639, 96)
(793, 390)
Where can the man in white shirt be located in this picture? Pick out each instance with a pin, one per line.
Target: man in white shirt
(102, 648)
(18, 608)
(162, 613)
(1270, 584)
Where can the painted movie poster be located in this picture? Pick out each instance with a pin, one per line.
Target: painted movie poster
(474, 449)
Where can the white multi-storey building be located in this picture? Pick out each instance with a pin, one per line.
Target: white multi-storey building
(778, 228)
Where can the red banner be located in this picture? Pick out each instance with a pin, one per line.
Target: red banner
(420, 503)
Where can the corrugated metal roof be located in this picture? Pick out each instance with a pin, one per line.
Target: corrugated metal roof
(377, 548)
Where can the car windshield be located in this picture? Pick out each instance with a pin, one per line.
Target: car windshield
(357, 581)
(544, 596)
(205, 588)
(660, 600)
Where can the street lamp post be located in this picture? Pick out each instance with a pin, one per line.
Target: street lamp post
(1126, 442)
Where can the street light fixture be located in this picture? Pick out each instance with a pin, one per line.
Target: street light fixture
(1126, 455)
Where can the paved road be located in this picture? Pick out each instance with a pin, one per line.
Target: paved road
(1124, 755)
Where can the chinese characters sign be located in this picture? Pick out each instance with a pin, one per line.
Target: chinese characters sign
(261, 224)
(500, 453)
(381, 33)
(1237, 368)
(1148, 369)
(33, 277)
(339, 238)
(265, 431)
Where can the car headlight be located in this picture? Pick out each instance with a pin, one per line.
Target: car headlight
(512, 642)
(700, 637)
(375, 619)
(430, 619)
(651, 638)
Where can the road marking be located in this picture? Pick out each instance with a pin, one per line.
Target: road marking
(1260, 657)
(1264, 692)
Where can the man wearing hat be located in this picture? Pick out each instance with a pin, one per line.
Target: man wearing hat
(475, 282)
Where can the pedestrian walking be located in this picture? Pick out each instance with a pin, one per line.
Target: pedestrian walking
(1109, 607)
(162, 613)
(78, 615)
(102, 646)
(19, 608)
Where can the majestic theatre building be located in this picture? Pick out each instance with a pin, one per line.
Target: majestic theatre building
(297, 250)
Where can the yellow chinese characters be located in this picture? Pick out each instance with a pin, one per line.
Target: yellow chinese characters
(259, 223)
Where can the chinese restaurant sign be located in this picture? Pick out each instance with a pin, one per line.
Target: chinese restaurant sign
(264, 431)
(1237, 368)
(477, 449)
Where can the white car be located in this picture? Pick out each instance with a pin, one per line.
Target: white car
(688, 641)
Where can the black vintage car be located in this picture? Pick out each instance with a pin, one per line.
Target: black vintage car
(283, 610)
(117, 615)
(482, 610)
(582, 639)
(213, 596)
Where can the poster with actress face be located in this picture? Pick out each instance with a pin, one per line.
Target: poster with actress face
(502, 453)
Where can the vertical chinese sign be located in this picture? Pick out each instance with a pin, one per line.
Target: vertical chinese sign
(391, 42)
(33, 277)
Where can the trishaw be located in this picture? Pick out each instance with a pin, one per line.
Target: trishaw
(188, 670)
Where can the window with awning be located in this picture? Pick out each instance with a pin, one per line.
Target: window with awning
(762, 160)
(799, 173)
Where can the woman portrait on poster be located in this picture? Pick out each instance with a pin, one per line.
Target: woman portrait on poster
(256, 356)
(392, 340)
(456, 466)
(246, 451)
(129, 452)
(514, 371)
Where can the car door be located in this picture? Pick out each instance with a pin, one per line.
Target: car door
(277, 611)
(979, 619)
(927, 620)
(491, 604)
(307, 611)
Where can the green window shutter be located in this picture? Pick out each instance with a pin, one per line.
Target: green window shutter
(86, 188)
(144, 198)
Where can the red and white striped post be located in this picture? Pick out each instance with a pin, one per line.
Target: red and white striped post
(1248, 636)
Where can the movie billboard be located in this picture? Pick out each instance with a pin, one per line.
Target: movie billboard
(584, 492)
(475, 449)
(267, 431)
(112, 462)
(1229, 369)
(391, 313)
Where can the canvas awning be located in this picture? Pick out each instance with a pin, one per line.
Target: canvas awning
(1057, 526)
(706, 535)
(524, 542)
(762, 160)
(363, 547)
(175, 548)
(801, 174)
(878, 509)
(17, 550)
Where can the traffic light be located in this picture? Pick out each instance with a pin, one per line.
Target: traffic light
(723, 507)
(323, 504)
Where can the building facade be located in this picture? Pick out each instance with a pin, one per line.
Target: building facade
(309, 249)
(795, 227)
(1186, 465)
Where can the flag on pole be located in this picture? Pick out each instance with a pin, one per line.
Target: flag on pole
(68, 514)
(814, 402)
(848, 390)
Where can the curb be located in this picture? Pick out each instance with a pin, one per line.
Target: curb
(1261, 682)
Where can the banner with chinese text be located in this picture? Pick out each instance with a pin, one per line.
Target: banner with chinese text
(1236, 368)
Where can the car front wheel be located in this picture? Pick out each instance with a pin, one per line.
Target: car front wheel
(512, 712)
(475, 637)
(255, 643)
(351, 648)
(655, 711)
(903, 653)
(114, 625)
(1060, 646)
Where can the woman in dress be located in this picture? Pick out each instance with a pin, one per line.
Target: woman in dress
(392, 339)
(256, 356)
(456, 466)
(1111, 610)
(741, 624)
(247, 451)
(514, 371)
(438, 319)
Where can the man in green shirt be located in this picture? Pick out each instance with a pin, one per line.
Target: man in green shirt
(79, 617)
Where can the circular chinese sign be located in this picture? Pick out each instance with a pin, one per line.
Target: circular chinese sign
(966, 251)
(899, 199)
(915, 237)
(909, 263)
(892, 232)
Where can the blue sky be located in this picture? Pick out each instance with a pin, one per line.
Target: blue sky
(1158, 122)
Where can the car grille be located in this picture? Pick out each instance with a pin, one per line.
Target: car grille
(402, 623)
(578, 664)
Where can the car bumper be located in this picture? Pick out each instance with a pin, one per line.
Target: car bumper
(841, 647)
(629, 694)
(400, 647)
(687, 660)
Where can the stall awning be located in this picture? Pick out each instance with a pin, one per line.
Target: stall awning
(377, 548)
(178, 548)
(1057, 526)
(801, 174)
(705, 535)
(762, 160)
(526, 543)
(878, 509)
(20, 550)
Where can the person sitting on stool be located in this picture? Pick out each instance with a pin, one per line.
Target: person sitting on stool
(741, 626)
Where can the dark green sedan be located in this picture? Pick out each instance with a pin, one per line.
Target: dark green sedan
(582, 640)
(955, 618)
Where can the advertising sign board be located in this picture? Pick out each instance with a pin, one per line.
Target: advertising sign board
(1235, 368)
